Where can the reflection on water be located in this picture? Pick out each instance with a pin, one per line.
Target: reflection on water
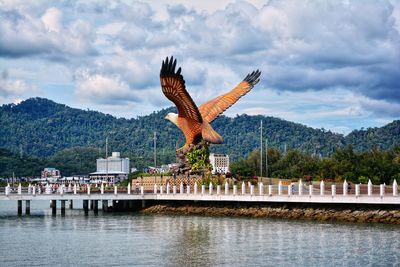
(159, 240)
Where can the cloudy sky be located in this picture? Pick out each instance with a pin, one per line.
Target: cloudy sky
(331, 64)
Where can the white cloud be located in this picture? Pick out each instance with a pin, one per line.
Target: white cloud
(103, 89)
(14, 89)
(26, 35)
(322, 62)
(52, 19)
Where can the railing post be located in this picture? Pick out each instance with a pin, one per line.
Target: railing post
(29, 189)
(357, 190)
(181, 188)
(61, 190)
(333, 190)
(174, 190)
(75, 188)
(251, 190)
(142, 190)
(161, 189)
(48, 189)
(322, 187)
(129, 188)
(369, 188)
(234, 190)
(218, 190)
(19, 189)
(382, 190)
(195, 188)
(280, 188)
(270, 190)
(310, 189)
(188, 189)
(261, 189)
(289, 190)
(69, 188)
(210, 188)
(115, 190)
(395, 187)
(168, 189)
(243, 188)
(88, 189)
(345, 188)
(226, 188)
(33, 190)
(7, 189)
(203, 189)
(300, 188)
(155, 189)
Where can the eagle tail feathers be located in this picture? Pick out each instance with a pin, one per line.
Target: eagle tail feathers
(210, 135)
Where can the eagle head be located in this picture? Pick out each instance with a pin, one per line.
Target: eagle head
(172, 117)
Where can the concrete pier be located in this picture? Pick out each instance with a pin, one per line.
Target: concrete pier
(27, 207)
(86, 206)
(63, 207)
(105, 205)
(95, 206)
(54, 207)
(71, 204)
(19, 207)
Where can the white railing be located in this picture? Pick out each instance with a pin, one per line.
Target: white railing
(260, 190)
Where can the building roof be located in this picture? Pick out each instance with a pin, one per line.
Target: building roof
(109, 173)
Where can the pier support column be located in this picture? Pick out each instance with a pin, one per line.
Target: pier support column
(19, 207)
(86, 206)
(95, 206)
(63, 207)
(91, 204)
(27, 207)
(54, 207)
(114, 205)
(105, 205)
(143, 203)
(71, 204)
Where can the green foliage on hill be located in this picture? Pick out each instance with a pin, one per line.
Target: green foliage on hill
(43, 129)
(378, 165)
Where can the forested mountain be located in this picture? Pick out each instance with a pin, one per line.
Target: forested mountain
(40, 127)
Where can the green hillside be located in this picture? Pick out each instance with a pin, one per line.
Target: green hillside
(42, 128)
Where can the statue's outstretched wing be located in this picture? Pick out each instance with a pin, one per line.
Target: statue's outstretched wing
(213, 108)
(173, 87)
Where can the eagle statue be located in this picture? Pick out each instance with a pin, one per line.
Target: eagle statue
(193, 121)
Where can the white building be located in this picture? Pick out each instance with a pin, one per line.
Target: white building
(220, 163)
(50, 173)
(111, 170)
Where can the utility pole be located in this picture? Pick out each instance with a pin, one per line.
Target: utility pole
(266, 157)
(155, 149)
(261, 151)
(107, 159)
(155, 156)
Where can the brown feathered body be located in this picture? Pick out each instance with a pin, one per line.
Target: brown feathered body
(195, 122)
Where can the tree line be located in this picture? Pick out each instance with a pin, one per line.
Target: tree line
(380, 166)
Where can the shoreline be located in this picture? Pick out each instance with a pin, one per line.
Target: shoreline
(381, 216)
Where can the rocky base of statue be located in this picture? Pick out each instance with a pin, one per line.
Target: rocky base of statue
(193, 159)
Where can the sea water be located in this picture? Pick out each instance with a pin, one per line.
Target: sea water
(133, 239)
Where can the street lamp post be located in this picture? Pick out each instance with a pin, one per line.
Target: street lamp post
(155, 155)
(107, 159)
(261, 152)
